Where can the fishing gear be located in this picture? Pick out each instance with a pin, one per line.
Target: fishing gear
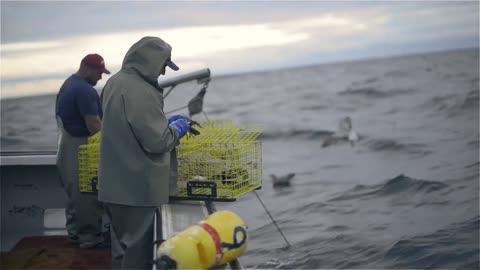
(195, 106)
(201, 76)
(273, 220)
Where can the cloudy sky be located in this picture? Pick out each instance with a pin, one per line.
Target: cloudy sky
(43, 42)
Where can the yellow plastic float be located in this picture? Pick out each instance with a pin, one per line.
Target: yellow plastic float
(218, 239)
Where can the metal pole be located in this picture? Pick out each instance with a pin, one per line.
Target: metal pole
(200, 75)
(155, 239)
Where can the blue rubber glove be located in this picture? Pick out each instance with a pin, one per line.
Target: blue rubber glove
(181, 125)
(175, 117)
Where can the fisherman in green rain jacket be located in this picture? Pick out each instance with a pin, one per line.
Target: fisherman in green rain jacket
(138, 164)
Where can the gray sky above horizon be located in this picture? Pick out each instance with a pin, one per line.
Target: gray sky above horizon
(43, 42)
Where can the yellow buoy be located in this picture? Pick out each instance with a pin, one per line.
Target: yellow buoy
(218, 239)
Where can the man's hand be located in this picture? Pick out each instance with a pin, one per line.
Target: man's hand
(182, 126)
(175, 117)
(93, 123)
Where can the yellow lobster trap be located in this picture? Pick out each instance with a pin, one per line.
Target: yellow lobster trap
(223, 163)
(88, 159)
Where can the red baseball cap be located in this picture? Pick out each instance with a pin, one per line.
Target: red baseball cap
(95, 60)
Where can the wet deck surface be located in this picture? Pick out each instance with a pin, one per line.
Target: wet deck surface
(54, 252)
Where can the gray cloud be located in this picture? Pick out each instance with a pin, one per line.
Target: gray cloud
(390, 28)
(32, 20)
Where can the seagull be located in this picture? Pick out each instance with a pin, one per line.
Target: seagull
(283, 181)
(344, 133)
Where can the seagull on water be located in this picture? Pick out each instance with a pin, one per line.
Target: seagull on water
(282, 181)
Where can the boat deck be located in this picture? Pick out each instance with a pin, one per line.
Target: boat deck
(53, 252)
(33, 220)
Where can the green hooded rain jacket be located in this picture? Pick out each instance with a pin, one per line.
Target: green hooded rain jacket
(137, 154)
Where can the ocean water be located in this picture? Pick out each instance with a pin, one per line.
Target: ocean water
(406, 195)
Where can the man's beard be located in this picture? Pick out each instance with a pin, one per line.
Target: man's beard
(92, 82)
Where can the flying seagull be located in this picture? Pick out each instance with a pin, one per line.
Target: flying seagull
(345, 133)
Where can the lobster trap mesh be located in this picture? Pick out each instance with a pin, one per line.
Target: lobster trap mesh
(88, 159)
(222, 163)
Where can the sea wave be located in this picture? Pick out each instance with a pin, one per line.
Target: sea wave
(9, 141)
(370, 92)
(301, 133)
(438, 103)
(454, 247)
(400, 184)
(471, 100)
(391, 145)
(313, 108)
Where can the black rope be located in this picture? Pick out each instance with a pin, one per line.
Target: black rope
(168, 92)
(273, 220)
